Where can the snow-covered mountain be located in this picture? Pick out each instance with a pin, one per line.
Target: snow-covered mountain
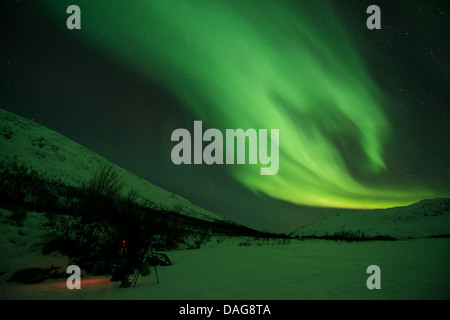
(426, 218)
(54, 156)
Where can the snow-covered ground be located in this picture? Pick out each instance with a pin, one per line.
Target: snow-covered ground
(261, 269)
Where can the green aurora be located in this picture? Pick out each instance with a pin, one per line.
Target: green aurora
(242, 64)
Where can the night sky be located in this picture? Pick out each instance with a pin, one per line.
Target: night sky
(363, 114)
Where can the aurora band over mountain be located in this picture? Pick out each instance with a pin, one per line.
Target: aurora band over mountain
(291, 71)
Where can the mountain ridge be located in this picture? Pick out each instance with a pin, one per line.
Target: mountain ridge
(426, 218)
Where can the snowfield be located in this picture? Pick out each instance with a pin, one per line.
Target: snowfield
(242, 268)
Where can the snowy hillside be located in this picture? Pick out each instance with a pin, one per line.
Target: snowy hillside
(426, 218)
(54, 156)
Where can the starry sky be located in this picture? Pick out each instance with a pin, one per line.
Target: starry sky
(362, 114)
